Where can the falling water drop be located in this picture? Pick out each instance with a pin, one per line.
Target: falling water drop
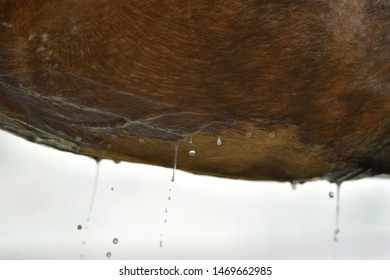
(331, 194)
(337, 229)
(175, 162)
(161, 244)
(93, 193)
(169, 197)
(108, 254)
(79, 227)
(219, 141)
(192, 153)
(166, 210)
(165, 220)
(115, 241)
(112, 189)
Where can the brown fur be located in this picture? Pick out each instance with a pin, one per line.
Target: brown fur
(308, 81)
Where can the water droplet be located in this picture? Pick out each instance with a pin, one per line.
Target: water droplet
(161, 244)
(294, 185)
(192, 153)
(219, 141)
(175, 162)
(115, 241)
(272, 135)
(77, 139)
(108, 254)
(165, 220)
(141, 141)
(79, 227)
(331, 194)
(169, 197)
(248, 134)
(166, 210)
(112, 189)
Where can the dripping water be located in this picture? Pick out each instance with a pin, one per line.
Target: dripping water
(190, 139)
(219, 141)
(175, 162)
(337, 229)
(93, 193)
(294, 185)
(192, 153)
(170, 189)
(115, 241)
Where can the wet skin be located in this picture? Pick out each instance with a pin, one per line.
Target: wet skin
(294, 89)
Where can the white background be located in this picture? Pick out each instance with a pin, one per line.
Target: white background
(45, 194)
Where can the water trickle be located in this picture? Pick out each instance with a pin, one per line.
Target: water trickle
(192, 153)
(79, 227)
(115, 241)
(331, 194)
(108, 254)
(219, 141)
(93, 193)
(337, 228)
(175, 162)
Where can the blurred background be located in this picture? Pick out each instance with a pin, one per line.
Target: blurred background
(138, 213)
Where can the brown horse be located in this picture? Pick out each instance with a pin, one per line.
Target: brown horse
(254, 89)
